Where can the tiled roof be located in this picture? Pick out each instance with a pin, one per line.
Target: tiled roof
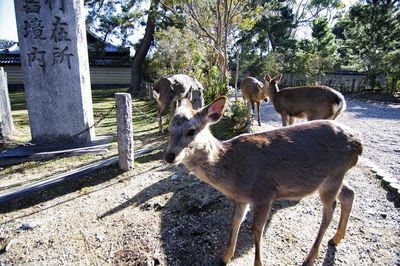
(10, 61)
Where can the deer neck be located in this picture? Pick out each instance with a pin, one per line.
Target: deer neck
(272, 90)
(202, 155)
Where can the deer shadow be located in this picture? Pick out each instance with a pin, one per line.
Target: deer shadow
(195, 221)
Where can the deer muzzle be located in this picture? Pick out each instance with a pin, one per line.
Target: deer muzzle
(169, 157)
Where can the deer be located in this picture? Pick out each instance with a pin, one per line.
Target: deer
(170, 90)
(310, 102)
(252, 92)
(254, 169)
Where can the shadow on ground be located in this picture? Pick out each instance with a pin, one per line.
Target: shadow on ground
(195, 222)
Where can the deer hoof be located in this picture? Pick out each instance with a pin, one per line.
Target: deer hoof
(307, 263)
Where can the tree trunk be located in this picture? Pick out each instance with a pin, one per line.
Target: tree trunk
(141, 53)
(238, 50)
(394, 84)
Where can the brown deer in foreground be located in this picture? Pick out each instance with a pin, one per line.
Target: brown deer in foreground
(256, 169)
(173, 88)
(310, 102)
(252, 92)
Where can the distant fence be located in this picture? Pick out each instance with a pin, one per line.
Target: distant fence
(99, 76)
(346, 82)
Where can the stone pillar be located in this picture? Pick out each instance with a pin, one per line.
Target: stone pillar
(6, 121)
(54, 58)
(124, 131)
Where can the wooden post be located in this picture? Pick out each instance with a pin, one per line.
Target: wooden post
(124, 131)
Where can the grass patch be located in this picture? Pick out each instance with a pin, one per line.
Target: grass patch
(145, 129)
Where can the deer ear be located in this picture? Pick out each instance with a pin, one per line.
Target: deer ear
(156, 95)
(185, 103)
(215, 110)
(267, 78)
(278, 78)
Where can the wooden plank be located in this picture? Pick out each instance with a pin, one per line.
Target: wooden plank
(60, 178)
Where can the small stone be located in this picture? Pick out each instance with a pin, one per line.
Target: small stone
(174, 177)
(158, 206)
(26, 227)
(99, 237)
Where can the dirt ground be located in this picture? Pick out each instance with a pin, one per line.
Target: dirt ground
(162, 215)
(157, 214)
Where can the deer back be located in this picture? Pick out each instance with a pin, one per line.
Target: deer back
(175, 87)
(318, 99)
(288, 162)
(252, 89)
(291, 162)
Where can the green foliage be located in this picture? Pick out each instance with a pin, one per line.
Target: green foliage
(216, 85)
(115, 20)
(372, 32)
(232, 123)
(238, 115)
(178, 51)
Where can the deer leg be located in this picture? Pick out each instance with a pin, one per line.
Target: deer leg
(238, 215)
(249, 116)
(260, 215)
(285, 120)
(160, 125)
(328, 199)
(292, 119)
(258, 113)
(346, 198)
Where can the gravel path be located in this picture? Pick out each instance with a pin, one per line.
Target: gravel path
(157, 214)
(378, 122)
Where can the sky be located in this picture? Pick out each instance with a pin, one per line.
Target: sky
(8, 27)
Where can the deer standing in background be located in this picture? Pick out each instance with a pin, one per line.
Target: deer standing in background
(256, 169)
(310, 102)
(173, 88)
(252, 92)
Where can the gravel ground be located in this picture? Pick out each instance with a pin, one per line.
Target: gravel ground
(379, 123)
(161, 215)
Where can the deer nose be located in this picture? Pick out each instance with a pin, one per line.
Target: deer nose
(169, 157)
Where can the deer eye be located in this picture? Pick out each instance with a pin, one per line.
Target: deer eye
(190, 133)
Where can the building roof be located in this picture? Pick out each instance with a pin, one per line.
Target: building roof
(113, 55)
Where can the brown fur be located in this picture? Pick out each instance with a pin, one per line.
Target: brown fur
(256, 169)
(310, 102)
(173, 88)
(252, 92)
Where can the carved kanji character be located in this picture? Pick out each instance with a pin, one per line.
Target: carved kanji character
(32, 6)
(59, 32)
(34, 27)
(36, 55)
(59, 56)
(61, 4)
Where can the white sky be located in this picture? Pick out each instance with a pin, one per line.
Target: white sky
(8, 27)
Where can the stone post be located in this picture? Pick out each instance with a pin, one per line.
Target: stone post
(6, 121)
(54, 58)
(124, 131)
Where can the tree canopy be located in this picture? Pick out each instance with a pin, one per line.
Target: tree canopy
(209, 38)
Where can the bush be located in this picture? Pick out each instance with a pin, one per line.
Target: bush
(238, 115)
